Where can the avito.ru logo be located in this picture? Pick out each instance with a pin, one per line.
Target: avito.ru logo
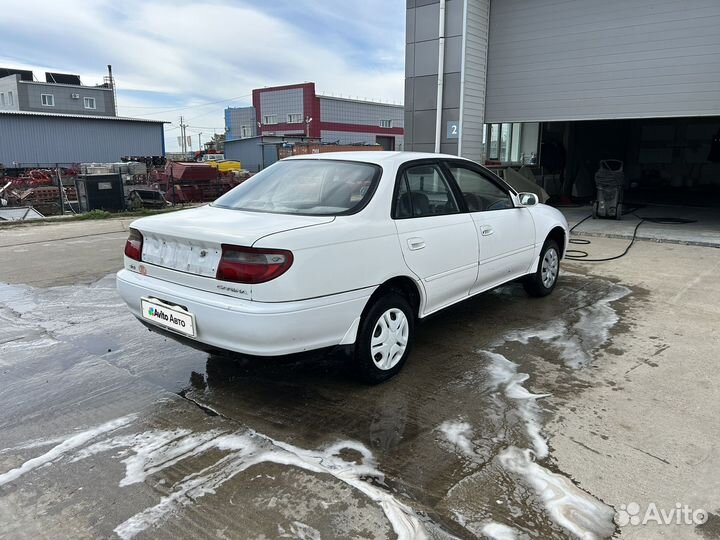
(160, 314)
(153, 312)
(632, 514)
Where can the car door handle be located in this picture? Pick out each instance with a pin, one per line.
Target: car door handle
(486, 230)
(415, 243)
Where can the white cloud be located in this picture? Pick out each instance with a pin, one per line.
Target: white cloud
(169, 54)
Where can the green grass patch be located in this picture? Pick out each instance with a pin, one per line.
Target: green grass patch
(93, 214)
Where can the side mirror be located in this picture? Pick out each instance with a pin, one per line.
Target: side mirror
(528, 199)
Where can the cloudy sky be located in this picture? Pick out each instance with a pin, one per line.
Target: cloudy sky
(175, 57)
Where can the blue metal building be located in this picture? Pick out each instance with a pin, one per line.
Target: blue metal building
(256, 153)
(34, 138)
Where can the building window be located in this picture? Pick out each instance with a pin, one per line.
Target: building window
(270, 119)
(385, 123)
(2, 99)
(295, 118)
(505, 135)
(245, 131)
(48, 100)
(89, 102)
(511, 143)
(515, 144)
(493, 152)
(11, 99)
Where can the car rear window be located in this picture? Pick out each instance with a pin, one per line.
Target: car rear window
(306, 186)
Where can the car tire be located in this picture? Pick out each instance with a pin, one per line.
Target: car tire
(543, 281)
(384, 338)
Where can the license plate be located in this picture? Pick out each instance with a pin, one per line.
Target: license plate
(170, 317)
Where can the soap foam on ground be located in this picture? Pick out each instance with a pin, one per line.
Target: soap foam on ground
(150, 452)
(567, 505)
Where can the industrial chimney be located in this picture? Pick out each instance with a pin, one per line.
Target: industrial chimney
(110, 82)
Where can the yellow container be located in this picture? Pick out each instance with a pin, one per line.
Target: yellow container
(226, 166)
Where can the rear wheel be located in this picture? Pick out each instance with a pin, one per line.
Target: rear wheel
(384, 338)
(543, 281)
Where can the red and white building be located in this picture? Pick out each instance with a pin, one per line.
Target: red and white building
(296, 110)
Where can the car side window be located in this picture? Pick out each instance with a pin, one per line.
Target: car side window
(403, 208)
(424, 191)
(480, 193)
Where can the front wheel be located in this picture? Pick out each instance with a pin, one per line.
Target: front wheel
(543, 281)
(384, 338)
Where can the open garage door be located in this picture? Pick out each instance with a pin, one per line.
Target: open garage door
(587, 60)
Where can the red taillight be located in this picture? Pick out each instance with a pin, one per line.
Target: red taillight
(133, 245)
(250, 265)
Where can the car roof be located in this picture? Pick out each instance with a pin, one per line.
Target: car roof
(379, 157)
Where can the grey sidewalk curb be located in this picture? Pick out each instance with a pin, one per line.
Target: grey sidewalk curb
(620, 236)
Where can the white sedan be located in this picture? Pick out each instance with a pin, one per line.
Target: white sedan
(338, 249)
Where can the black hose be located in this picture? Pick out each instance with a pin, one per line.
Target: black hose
(666, 220)
(581, 255)
(583, 220)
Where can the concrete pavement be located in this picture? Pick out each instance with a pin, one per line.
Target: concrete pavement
(703, 228)
(536, 418)
(50, 254)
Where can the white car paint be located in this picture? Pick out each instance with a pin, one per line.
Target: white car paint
(443, 252)
(507, 245)
(339, 262)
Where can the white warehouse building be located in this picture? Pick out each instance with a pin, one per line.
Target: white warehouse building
(564, 84)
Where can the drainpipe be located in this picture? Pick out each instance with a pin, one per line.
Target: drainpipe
(441, 76)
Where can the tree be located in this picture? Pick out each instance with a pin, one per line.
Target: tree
(218, 142)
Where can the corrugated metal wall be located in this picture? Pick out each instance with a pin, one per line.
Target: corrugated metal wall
(584, 59)
(359, 112)
(352, 137)
(46, 140)
(472, 102)
(346, 137)
(249, 152)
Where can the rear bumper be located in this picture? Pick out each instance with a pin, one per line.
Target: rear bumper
(253, 328)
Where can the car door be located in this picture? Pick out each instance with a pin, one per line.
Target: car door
(506, 232)
(438, 240)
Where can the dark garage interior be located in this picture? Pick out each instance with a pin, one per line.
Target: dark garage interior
(668, 161)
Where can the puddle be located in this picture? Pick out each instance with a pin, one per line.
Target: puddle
(89, 322)
(149, 453)
(452, 447)
(576, 340)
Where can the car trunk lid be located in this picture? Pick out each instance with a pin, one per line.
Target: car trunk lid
(190, 242)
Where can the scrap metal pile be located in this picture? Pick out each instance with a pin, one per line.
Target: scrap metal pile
(144, 185)
(184, 182)
(38, 189)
